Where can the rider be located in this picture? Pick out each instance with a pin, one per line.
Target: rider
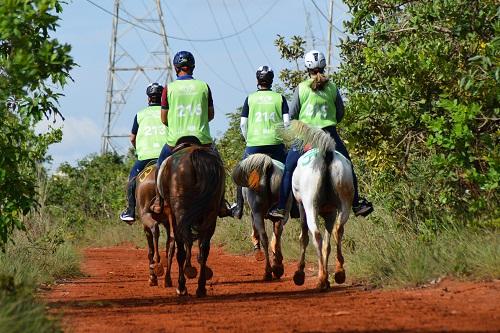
(317, 102)
(148, 136)
(186, 108)
(262, 111)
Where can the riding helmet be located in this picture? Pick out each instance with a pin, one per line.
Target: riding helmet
(265, 75)
(315, 59)
(184, 59)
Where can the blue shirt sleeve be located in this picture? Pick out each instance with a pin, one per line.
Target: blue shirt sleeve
(135, 126)
(339, 106)
(284, 105)
(245, 109)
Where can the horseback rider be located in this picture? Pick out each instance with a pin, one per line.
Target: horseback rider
(262, 111)
(148, 136)
(317, 103)
(186, 108)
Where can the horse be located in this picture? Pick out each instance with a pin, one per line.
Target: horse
(322, 184)
(191, 183)
(145, 193)
(260, 176)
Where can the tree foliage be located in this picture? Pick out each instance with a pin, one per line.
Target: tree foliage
(31, 65)
(422, 113)
(422, 82)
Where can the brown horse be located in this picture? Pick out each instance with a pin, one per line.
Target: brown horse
(191, 183)
(145, 193)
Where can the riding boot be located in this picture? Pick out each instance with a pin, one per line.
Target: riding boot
(237, 210)
(158, 203)
(129, 214)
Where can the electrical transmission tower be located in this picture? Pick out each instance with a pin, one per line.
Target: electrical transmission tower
(138, 50)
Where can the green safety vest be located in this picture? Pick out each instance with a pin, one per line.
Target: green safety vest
(151, 135)
(317, 108)
(188, 111)
(264, 113)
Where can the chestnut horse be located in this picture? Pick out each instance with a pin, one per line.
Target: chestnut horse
(191, 183)
(145, 193)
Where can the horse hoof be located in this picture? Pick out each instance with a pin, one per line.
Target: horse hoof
(268, 276)
(190, 272)
(153, 281)
(278, 271)
(339, 277)
(299, 277)
(259, 255)
(323, 285)
(159, 269)
(208, 273)
(201, 292)
(182, 292)
(168, 282)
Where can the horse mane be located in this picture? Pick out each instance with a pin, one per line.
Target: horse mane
(300, 134)
(252, 172)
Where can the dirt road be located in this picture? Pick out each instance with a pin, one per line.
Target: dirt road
(115, 297)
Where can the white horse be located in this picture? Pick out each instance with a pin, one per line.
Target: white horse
(260, 176)
(322, 184)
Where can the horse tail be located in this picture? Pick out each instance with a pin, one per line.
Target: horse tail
(305, 134)
(208, 171)
(253, 172)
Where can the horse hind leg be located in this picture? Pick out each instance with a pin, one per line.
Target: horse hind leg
(312, 217)
(153, 279)
(189, 270)
(299, 276)
(158, 267)
(264, 242)
(277, 265)
(181, 259)
(342, 218)
(204, 247)
(170, 254)
(329, 220)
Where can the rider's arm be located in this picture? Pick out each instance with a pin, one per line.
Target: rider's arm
(295, 105)
(133, 132)
(284, 111)
(244, 118)
(211, 111)
(164, 106)
(339, 106)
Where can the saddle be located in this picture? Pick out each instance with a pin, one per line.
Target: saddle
(186, 142)
(146, 171)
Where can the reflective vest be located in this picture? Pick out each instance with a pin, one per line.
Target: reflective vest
(151, 134)
(317, 108)
(188, 111)
(264, 113)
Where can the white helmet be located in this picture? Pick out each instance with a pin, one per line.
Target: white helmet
(314, 59)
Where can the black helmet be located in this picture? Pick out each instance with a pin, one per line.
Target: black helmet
(154, 89)
(265, 75)
(183, 59)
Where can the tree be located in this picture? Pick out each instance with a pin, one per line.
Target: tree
(31, 65)
(422, 81)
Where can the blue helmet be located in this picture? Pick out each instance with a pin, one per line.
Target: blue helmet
(184, 59)
(154, 89)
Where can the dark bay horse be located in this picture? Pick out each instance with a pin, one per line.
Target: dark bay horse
(191, 183)
(260, 178)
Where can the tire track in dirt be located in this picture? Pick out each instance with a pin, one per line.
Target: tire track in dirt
(115, 297)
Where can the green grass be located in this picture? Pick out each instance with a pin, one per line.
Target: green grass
(378, 253)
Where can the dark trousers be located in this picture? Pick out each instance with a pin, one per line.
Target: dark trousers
(291, 163)
(276, 152)
(165, 152)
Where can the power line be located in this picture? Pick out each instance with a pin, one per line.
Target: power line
(327, 20)
(225, 46)
(239, 39)
(253, 33)
(210, 68)
(221, 37)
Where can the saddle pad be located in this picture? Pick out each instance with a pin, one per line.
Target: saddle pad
(145, 172)
(310, 155)
(279, 165)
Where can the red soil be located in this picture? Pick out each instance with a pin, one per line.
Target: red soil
(115, 297)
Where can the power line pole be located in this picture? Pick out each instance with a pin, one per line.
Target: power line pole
(129, 44)
(330, 28)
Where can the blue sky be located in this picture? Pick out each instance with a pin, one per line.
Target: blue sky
(88, 30)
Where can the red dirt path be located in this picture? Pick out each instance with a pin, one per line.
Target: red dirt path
(115, 297)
